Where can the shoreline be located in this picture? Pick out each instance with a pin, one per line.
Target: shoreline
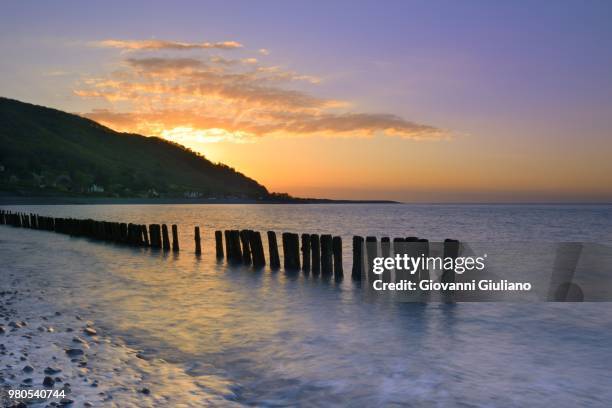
(59, 200)
(42, 348)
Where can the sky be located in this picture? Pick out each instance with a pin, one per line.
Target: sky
(417, 101)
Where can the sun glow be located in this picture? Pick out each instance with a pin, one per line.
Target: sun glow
(187, 135)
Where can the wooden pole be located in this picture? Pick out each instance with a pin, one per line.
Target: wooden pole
(306, 252)
(196, 236)
(273, 249)
(246, 248)
(371, 252)
(123, 232)
(145, 236)
(175, 239)
(357, 258)
(257, 251)
(157, 233)
(315, 249)
(337, 251)
(228, 252)
(131, 235)
(139, 238)
(326, 254)
(291, 250)
(165, 239)
(385, 249)
(219, 244)
(234, 246)
(423, 250)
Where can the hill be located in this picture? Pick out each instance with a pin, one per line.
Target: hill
(49, 152)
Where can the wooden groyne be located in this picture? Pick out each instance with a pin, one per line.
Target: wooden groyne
(311, 253)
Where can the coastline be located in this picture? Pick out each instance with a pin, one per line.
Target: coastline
(65, 200)
(45, 349)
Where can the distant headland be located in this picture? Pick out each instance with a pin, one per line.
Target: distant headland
(54, 157)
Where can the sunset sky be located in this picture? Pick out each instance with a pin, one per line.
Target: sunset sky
(412, 101)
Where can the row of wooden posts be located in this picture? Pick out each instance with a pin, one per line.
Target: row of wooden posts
(318, 253)
(121, 233)
(308, 252)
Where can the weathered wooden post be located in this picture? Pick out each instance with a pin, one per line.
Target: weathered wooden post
(165, 239)
(145, 236)
(306, 252)
(385, 249)
(315, 247)
(219, 244)
(232, 245)
(196, 234)
(371, 252)
(399, 248)
(131, 235)
(291, 251)
(246, 249)
(175, 239)
(326, 254)
(423, 249)
(412, 248)
(155, 244)
(228, 239)
(235, 234)
(398, 245)
(286, 254)
(257, 251)
(337, 250)
(158, 233)
(115, 232)
(273, 249)
(101, 230)
(123, 231)
(357, 258)
(139, 238)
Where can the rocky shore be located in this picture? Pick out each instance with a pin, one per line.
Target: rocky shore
(58, 351)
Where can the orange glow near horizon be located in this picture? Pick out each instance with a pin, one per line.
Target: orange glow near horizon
(261, 120)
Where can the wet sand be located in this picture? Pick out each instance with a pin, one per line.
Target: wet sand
(57, 351)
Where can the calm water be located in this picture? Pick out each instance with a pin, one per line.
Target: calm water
(272, 339)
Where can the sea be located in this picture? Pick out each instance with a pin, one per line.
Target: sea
(271, 338)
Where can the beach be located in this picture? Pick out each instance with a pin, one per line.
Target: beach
(45, 349)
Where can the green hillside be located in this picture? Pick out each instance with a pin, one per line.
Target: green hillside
(44, 151)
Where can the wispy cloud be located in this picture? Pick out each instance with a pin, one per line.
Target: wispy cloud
(215, 98)
(135, 45)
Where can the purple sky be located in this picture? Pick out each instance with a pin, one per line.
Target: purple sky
(523, 89)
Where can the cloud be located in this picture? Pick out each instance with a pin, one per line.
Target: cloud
(135, 45)
(213, 98)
